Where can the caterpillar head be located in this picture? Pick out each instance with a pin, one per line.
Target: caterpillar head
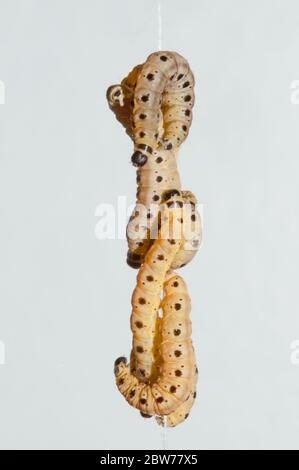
(170, 194)
(115, 95)
(172, 209)
(120, 365)
(119, 103)
(141, 154)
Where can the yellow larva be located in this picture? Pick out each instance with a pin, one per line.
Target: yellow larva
(159, 176)
(146, 296)
(157, 169)
(160, 93)
(154, 103)
(174, 384)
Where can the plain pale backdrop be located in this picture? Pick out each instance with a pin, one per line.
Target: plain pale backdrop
(65, 295)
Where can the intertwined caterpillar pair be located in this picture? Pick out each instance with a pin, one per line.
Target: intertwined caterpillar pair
(154, 103)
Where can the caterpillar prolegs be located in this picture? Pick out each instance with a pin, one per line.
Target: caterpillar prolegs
(154, 103)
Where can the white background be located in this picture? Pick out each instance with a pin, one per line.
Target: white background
(65, 296)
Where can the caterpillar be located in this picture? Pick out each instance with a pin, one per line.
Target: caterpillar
(161, 88)
(157, 177)
(182, 412)
(167, 388)
(154, 104)
(174, 384)
(168, 82)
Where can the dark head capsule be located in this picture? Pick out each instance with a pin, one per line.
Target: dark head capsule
(138, 159)
(169, 194)
(118, 361)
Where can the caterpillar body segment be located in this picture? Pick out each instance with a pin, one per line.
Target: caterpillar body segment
(157, 169)
(175, 381)
(159, 96)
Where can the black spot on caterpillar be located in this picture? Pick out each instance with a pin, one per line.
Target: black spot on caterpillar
(168, 391)
(138, 159)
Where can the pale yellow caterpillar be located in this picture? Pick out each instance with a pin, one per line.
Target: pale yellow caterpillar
(167, 75)
(174, 384)
(154, 103)
(157, 177)
(146, 296)
(164, 86)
